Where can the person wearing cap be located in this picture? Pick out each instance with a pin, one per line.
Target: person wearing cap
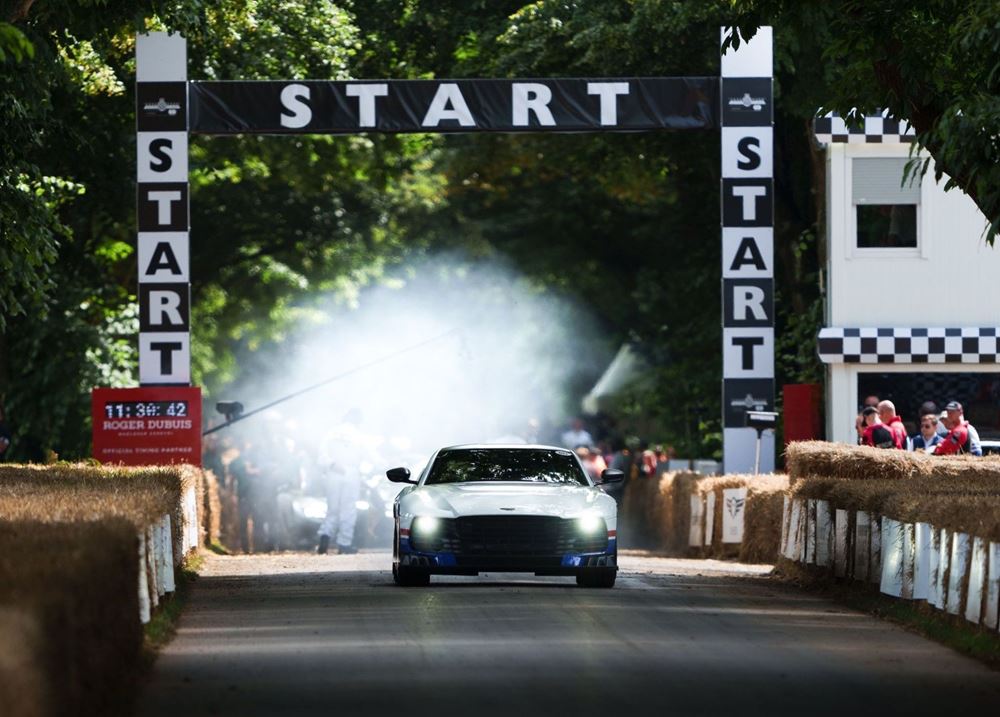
(928, 437)
(962, 436)
(887, 414)
(876, 433)
(859, 422)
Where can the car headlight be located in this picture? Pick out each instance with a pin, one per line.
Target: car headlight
(590, 524)
(426, 526)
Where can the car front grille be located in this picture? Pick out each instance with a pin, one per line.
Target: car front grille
(515, 536)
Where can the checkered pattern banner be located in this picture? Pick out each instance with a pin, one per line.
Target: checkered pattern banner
(910, 345)
(878, 129)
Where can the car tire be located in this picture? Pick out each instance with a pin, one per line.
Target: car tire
(410, 577)
(597, 578)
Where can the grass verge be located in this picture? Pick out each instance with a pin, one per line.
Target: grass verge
(950, 630)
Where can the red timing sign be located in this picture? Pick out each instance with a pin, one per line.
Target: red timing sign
(147, 425)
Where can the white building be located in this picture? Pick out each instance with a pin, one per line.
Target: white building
(913, 290)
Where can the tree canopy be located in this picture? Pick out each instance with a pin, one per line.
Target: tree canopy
(626, 225)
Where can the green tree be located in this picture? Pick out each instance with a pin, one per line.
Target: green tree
(935, 64)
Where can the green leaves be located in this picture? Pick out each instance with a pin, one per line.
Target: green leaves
(14, 46)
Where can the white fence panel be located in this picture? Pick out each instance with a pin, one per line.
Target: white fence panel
(958, 566)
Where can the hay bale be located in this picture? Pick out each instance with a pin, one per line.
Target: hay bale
(79, 579)
(819, 459)
(762, 519)
(24, 684)
(212, 505)
(83, 492)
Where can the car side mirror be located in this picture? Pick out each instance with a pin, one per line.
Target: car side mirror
(612, 475)
(399, 475)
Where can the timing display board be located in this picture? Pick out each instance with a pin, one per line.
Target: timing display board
(147, 425)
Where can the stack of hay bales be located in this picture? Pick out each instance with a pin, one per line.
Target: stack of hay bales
(920, 527)
(86, 553)
(686, 514)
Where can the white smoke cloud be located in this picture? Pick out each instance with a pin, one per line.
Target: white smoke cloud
(509, 352)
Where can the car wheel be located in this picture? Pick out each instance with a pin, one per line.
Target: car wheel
(597, 578)
(410, 577)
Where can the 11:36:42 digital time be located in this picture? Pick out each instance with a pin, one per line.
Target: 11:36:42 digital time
(145, 409)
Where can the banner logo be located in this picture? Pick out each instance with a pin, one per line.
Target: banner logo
(161, 106)
(746, 102)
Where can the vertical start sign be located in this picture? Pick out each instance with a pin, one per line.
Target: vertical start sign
(747, 117)
(147, 425)
(162, 210)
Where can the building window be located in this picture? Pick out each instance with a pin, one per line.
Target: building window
(885, 206)
(883, 226)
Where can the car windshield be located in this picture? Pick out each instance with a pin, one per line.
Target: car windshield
(523, 465)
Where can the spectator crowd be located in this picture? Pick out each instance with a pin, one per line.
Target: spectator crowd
(940, 433)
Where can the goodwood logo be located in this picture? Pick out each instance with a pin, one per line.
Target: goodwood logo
(746, 102)
(161, 106)
(749, 402)
(734, 505)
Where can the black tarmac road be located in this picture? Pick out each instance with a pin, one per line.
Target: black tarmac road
(331, 635)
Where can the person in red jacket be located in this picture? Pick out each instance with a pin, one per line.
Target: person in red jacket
(887, 414)
(875, 433)
(957, 441)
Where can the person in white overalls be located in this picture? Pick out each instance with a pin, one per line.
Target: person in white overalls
(341, 455)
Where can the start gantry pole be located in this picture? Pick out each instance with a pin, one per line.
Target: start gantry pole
(162, 210)
(746, 114)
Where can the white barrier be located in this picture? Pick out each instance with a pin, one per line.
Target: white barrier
(786, 518)
(906, 560)
(156, 565)
(696, 532)
(734, 503)
(960, 549)
(875, 556)
(934, 595)
(144, 609)
(909, 559)
(922, 562)
(824, 534)
(709, 518)
(862, 543)
(190, 527)
(167, 554)
(977, 582)
(840, 524)
(892, 558)
(810, 557)
(992, 619)
(152, 558)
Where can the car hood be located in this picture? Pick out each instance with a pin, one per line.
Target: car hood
(458, 499)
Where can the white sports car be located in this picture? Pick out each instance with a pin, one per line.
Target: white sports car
(504, 509)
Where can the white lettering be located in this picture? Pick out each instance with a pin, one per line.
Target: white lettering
(608, 92)
(366, 95)
(163, 201)
(748, 299)
(749, 196)
(448, 104)
(295, 113)
(531, 97)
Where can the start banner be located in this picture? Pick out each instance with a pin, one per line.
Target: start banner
(150, 425)
(627, 104)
